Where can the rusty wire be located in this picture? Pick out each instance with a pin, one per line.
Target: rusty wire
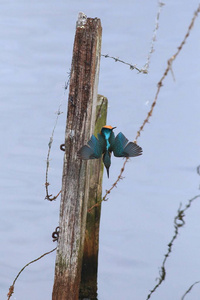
(149, 114)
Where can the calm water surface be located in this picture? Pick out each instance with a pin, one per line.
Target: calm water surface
(137, 222)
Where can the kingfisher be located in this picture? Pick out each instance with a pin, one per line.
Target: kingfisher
(105, 144)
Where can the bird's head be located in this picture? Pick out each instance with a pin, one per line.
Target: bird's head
(107, 128)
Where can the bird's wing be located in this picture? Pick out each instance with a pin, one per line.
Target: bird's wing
(92, 150)
(122, 148)
(119, 145)
(132, 150)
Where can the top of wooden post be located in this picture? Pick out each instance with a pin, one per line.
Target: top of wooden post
(82, 19)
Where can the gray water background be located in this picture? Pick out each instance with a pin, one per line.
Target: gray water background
(36, 41)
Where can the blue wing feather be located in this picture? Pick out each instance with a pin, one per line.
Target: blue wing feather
(119, 145)
(122, 148)
(92, 150)
(132, 150)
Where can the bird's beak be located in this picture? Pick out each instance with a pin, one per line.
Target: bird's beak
(114, 128)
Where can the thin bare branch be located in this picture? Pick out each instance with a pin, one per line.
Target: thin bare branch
(178, 223)
(153, 40)
(50, 197)
(189, 290)
(11, 289)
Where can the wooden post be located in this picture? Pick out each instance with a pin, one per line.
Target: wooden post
(88, 287)
(76, 172)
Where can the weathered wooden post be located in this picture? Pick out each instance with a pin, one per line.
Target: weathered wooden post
(88, 286)
(76, 172)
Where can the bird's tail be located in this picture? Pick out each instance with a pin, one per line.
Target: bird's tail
(107, 169)
(107, 161)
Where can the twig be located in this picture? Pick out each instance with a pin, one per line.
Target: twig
(153, 40)
(11, 289)
(49, 196)
(188, 291)
(58, 113)
(190, 288)
(178, 223)
(149, 114)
